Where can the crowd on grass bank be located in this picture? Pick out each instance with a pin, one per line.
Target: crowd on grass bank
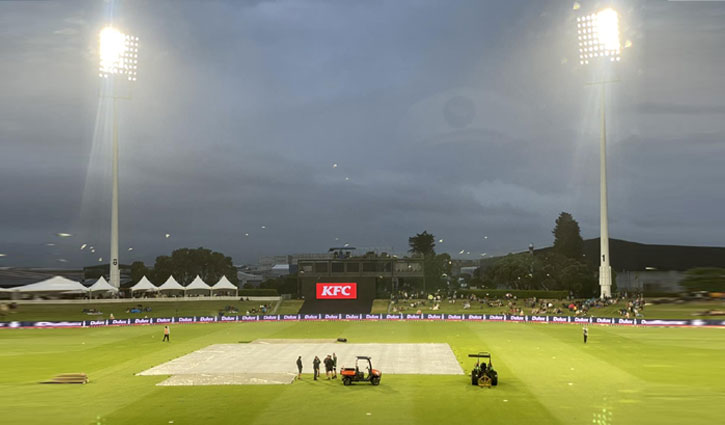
(263, 309)
(418, 302)
(8, 309)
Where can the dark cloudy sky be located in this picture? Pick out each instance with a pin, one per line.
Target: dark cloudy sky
(463, 118)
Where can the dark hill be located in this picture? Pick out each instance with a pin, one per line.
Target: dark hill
(634, 256)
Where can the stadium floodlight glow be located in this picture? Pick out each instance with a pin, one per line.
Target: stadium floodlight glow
(600, 30)
(598, 37)
(119, 60)
(119, 54)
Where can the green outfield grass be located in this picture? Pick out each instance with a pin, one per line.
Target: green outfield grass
(547, 376)
(202, 307)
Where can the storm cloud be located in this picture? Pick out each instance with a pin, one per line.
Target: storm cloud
(309, 124)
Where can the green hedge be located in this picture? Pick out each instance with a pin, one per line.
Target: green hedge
(501, 293)
(258, 293)
(660, 294)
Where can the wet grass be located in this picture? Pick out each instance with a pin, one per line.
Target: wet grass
(547, 376)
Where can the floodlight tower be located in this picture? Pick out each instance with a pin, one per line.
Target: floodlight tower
(118, 63)
(599, 43)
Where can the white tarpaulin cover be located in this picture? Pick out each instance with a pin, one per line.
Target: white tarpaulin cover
(224, 283)
(171, 285)
(197, 283)
(144, 285)
(225, 359)
(54, 284)
(102, 285)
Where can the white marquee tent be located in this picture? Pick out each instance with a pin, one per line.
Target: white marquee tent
(56, 284)
(171, 285)
(143, 285)
(197, 283)
(225, 285)
(102, 285)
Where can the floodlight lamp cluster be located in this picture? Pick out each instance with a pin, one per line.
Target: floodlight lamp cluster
(599, 36)
(119, 54)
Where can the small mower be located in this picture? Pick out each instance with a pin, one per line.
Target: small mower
(350, 374)
(483, 375)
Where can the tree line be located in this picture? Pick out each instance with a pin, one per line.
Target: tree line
(185, 264)
(563, 267)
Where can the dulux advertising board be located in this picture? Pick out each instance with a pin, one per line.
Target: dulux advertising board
(393, 317)
(228, 318)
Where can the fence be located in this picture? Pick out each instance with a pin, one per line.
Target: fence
(369, 317)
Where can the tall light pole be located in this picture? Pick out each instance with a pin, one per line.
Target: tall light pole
(118, 64)
(599, 43)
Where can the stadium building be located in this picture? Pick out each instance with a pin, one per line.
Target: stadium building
(349, 284)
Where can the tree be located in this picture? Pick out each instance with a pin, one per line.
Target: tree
(478, 279)
(561, 268)
(434, 267)
(139, 270)
(283, 284)
(577, 278)
(552, 271)
(422, 243)
(710, 279)
(185, 264)
(511, 271)
(568, 274)
(567, 237)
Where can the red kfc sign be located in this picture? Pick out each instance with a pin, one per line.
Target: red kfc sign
(337, 291)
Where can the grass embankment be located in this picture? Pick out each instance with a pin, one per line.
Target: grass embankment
(686, 310)
(31, 312)
(49, 311)
(647, 376)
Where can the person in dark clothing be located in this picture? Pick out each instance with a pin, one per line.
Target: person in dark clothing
(167, 332)
(299, 367)
(586, 334)
(316, 367)
(328, 366)
(334, 365)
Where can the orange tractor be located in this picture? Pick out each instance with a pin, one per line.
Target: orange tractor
(354, 374)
